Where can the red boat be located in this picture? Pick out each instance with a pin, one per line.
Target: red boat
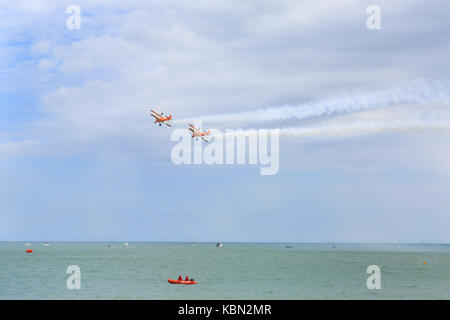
(172, 281)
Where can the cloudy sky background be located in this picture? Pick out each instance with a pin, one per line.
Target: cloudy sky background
(80, 159)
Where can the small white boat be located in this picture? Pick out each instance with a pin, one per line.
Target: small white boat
(46, 244)
(126, 244)
(219, 244)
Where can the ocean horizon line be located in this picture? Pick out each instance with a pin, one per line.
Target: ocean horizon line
(234, 242)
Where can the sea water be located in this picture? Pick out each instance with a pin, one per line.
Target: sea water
(234, 271)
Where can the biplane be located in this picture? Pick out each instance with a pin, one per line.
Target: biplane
(159, 118)
(196, 133)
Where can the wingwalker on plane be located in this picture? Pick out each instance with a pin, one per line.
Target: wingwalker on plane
(160, 119)
(197, 133)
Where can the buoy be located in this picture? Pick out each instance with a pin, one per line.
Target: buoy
(29, 250)
(424, 262)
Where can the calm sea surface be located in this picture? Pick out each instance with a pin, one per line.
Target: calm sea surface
(234, 271)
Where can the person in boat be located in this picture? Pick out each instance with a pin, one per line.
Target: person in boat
(180, 278)
(186, 279)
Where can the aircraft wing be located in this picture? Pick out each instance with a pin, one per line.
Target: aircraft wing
(192, 126)
(156, 113)
(154, 116)
(168, 124)
(194, 131)
(204, 139)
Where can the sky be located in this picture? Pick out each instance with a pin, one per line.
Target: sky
(81, 160)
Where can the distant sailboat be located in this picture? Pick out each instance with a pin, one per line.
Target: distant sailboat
(27, 243)
(46, 244)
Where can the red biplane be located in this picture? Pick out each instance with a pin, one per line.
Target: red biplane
(159, 118)
(196, 133)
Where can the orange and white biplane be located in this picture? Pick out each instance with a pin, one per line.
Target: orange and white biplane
(159, 118)
(196, 133)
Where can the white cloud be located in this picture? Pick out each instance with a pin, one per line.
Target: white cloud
(194, 58)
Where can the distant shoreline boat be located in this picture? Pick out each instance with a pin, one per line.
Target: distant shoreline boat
(46, 244)
(219, 244)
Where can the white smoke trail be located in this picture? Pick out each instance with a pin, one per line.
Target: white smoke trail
(366, 127)
(350, 129)
(412, 94)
